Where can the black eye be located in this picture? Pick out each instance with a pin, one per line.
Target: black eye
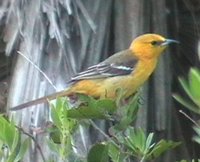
(154, 43)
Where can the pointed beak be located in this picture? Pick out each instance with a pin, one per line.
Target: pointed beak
(169, 41)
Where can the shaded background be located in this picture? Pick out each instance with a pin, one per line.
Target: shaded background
(65, 36)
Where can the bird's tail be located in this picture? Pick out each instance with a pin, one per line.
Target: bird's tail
(41, 100)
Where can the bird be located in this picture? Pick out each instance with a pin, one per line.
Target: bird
(126, 70)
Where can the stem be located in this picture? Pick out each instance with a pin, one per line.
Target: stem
(188, 117)
(102, 132)
(34, 140)
(47, 78)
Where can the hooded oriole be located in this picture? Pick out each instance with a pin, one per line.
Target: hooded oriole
(127, 70)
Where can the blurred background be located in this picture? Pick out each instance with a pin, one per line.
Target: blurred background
(63, 37)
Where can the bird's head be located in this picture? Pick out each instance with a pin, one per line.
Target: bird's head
(149, 46)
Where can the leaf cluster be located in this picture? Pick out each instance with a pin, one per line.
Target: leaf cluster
(13, 148)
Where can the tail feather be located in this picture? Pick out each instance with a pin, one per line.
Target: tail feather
(44, 99)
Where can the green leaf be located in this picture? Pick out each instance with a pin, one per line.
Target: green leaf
(120, 93)
(135, 140)
(55, 116)
(160, 148)
(185, 86)
(194, 84)
(55, 135)
(63, 128)
(107, 104)
(23, 148)
(89, 108)
(193, 160)
(53, 146)
(192, 89)
(60, 101)
(11, 157)
(16, 139)
(139, 139)
(143, 147)
(115, 153)
(197, 130)
(196, 138)
(133, 108)
(3, 124)
(85, 98)
(1, 150)
(11, 137)
(98, 153)
(9, 134)
(187, 104)
(96, 109)
(127, 112)
(149, 141)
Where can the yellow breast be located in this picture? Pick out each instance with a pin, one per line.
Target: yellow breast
(129, 83)
(108, 87)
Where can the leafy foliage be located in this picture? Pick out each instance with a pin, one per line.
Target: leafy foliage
(133, 144)
(125, 141)
(115, 152)
(13, 149)
(63, 130)
(126, 114)
(91, 108)
(99, 152)
(193, 160)
(142, 147)
(196, 138)
(192, 89)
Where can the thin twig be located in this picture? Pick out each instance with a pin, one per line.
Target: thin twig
(34, 140)
(188, 117)
(47, 78)
(97, 128)
(102, 132)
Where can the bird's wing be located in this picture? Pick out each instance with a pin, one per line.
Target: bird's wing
(121, 63)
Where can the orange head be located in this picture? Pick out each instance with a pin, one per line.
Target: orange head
(149, 46)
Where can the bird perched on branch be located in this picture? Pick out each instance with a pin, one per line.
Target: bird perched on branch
(127, 70)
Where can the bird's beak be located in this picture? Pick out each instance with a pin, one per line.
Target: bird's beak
(169, 41)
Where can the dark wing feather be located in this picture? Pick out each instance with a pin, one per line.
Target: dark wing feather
(115, 65)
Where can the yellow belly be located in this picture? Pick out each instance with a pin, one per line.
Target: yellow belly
(108, 87)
